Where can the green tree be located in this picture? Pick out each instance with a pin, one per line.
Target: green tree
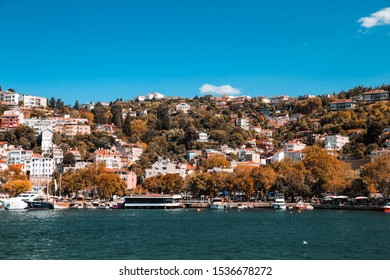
(116, 112)
(99, 115)
(163, 118)
(52, 102)
(127, 129)
(69, 159)
(76, 105)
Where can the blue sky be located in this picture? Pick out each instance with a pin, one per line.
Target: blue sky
(103, 50)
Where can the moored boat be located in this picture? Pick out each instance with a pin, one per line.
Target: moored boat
(153, 201)
(217, 203)
(386, 207)
(39, 204)
(61, 204)
(19, 202)
(280, 204)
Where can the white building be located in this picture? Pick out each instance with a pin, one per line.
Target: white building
(40, 124)
(20, 156)
(243, 123)
(203, 137)
(47, 140)
(164, 167)
(295, 145)
(58, 157)
(30, 101)
(293, 150)
(41, 171)
(11, 98)
(183, 107)
(110, 159)
(278, 156)
(335, 142)
(155, 95)
(279, 98)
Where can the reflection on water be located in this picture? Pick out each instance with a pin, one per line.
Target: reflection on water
(188, 234)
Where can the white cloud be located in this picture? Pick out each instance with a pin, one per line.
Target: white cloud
(226, 89)
(381, 17)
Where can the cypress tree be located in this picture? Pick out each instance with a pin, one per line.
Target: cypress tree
(127, 130)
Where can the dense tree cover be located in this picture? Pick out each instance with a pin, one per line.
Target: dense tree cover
(95, 176)
(376, 175)
(318, 173)
(21, 136)
(166, 133)
(13, 180)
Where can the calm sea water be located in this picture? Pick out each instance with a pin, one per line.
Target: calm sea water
(186, 234)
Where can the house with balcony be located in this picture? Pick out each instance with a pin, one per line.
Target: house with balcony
(11, 119)
(110, 159)
(342, 105)
(166, 166)
(129, 177)
(335, 142)
(376, 95)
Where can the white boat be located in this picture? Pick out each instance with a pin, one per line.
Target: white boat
(386, 207)
(61, 204)
(19, 202)
(153, 201)
(309, 207)
(217, 204)
(280, 204)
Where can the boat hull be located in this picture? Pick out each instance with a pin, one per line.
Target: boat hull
(39, 205)
(386, 209)
(153, 202)
(14, 204)
(217, 206)
(61, 205)
(280, 206)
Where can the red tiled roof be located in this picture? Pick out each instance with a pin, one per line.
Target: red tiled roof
(374, 91)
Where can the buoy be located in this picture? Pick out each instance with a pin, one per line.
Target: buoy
(198, 210)
(290, 212)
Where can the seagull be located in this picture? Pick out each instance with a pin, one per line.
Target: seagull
(304, 242)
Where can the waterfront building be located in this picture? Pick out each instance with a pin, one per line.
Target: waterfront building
(129, 177)
(41, 171)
